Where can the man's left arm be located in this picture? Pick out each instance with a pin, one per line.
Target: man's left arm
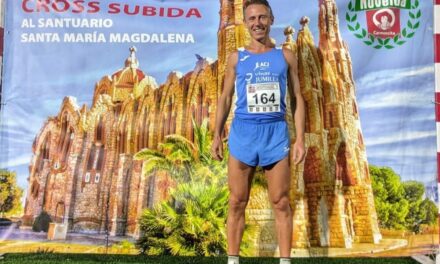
(297, 106)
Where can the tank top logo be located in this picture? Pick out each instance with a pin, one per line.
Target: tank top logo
(244, 57)
(261, 66)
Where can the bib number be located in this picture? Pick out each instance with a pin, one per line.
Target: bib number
(263, 97)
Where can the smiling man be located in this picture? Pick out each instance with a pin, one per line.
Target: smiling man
(259, 134)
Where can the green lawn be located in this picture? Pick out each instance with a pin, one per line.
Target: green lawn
(47, 258)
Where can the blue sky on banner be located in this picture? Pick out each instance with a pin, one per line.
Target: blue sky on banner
(394, 87)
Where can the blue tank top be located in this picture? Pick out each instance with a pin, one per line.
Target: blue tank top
(261, 85)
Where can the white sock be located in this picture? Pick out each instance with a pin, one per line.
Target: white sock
(233, 260)
(285, 261)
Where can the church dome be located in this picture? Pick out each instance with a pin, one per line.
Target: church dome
(131, 73)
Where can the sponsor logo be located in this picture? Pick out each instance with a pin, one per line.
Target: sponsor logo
(244, 58)
(261, 66)
(389, 23)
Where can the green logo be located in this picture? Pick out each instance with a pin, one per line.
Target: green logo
(383, 20)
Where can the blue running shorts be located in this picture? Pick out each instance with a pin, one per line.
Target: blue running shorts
(259, 143)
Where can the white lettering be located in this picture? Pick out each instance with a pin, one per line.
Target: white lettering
(403, 3)
(151, 38)
(381, 33)
(27, 23)
(94, 37)
(74, 23)
(39, 37)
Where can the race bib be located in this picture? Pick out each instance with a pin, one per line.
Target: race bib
(263, 97)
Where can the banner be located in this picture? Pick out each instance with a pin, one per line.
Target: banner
(108, 109)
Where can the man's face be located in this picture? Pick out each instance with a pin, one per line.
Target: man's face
(258, 21)
(384, 19)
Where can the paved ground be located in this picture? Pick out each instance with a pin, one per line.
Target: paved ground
(357, 249)
(425, 244)
(25, 240)
(14, 240)
(13, 233)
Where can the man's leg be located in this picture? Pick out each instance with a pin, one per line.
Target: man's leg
(278, 179)
(239, 180)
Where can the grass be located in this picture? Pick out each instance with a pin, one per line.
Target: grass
(50, 258)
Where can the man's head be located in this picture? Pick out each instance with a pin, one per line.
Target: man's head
(258, 18)
(248, 3)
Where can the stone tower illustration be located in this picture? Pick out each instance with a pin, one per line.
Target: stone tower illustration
(231, 34)
(332, 192)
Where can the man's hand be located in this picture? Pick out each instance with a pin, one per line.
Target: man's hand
(217, 149)
(298, 152)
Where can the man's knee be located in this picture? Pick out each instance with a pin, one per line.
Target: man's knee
(281, 203)
(237, 203)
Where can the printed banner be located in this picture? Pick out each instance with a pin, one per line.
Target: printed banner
(108, 109)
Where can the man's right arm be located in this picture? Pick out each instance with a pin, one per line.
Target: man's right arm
(224, 106)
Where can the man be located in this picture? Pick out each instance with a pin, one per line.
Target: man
(259, 134)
